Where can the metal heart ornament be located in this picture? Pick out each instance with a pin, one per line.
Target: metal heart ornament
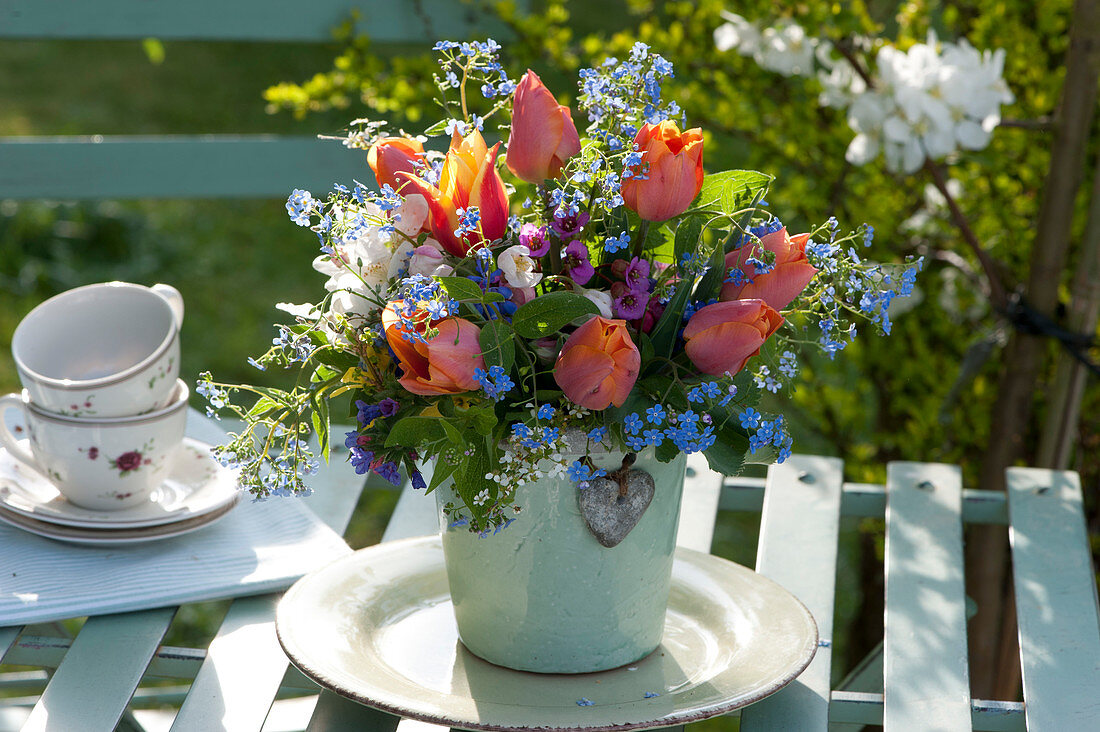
(611, 515)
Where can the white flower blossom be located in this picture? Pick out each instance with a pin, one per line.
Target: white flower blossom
(518, 267)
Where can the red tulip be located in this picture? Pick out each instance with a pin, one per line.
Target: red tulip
(391, 155)
(722, 336)
(598, 364)
(445, 364)
(543, 135)
(469, 178)
(675, 172)
(789, 277)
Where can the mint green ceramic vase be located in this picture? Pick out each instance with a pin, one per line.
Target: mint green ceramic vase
(544, 595)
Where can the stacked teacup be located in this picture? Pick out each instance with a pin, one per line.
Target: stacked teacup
(102, 403)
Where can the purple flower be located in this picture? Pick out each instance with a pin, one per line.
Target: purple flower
(388, 407)
(361, 460)
(631, 304)
(637, 275)
(568, 226)
(367, 412)
(389, 471)
(418, 481)
(575, 261)
(534, 238)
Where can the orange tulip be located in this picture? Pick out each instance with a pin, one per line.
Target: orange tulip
(598, 364)
(390, 155)
(722, 336)
(675, 172)
(543, 135)
(789, 277)
(469, 178)
(445, 364)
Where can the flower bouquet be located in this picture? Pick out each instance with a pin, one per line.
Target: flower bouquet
(502, 316)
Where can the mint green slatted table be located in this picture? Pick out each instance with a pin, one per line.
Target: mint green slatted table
(922, 675)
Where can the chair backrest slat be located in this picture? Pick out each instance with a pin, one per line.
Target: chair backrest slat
(1056, 605)
(207, 166)
(240, 20)
(798, 548)
(925, 668)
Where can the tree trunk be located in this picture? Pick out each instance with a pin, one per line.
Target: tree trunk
(987, 549)
(1060, 426)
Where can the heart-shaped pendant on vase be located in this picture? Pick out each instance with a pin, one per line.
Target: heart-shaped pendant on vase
(612, 507)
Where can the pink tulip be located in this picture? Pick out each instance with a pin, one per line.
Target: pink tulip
(674, 174)
(789, 277)
(598, 364)
(445, 364)
(543, 135)
(722, 336)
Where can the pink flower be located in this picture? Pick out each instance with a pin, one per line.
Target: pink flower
(598, 364)
(534, 238)
(789, 277)
(722, 336)
(543, 135)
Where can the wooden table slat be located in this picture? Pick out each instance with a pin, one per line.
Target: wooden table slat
(798, 548)
(925, 672)
(1056, 603)
(94, 683)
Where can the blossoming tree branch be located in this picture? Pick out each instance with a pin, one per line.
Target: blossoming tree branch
(485, 303)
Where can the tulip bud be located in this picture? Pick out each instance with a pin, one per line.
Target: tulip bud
(722, 336)
(598, 364)
(788, 277)
(674, 174)
(543, 135)
(389, 155)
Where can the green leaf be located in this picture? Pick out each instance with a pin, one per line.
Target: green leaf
(440, 473)
(472, 479)
(731, 190)
(482, 419)
(453, 433)
(410, 431)
(437, 129)
(710, 284)
(497, 345)
(666, 451)
(461, 288)
(687, 236)
(262, 406)
(321, 424)
(664, 333)
(727, 454)
(548, 313)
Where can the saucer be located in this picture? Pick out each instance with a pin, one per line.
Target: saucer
(378, 627)
(196, 485)
(111, 537)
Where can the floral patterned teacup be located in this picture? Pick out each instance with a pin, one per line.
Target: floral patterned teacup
(105, 350)
(103, 464)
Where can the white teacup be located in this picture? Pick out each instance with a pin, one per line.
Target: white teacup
(104, 350)
(103, 464)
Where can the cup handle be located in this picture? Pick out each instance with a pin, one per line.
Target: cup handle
(174, 299)
(7, 439)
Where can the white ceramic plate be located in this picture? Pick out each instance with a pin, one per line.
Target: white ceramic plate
(197, 485)
(378, 627)
(111, 537)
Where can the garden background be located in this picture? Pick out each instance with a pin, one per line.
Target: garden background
(928, 393)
